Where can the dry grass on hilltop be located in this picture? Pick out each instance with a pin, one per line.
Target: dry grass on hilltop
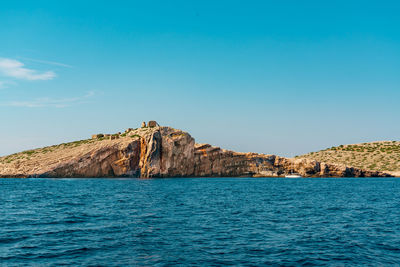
(378, 156)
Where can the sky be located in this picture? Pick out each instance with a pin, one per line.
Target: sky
(274, 77)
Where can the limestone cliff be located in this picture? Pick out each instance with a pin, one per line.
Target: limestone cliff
(160, 152)
(213, 161)
(166, 152)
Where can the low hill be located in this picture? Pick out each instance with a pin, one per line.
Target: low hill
(160, 152)
(378, 156)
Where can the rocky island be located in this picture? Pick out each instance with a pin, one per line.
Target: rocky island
(158, 151)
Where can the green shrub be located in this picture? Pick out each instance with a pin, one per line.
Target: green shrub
(372, 166)
(29, 152)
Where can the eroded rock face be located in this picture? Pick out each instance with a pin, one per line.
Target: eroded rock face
(177, 153)
(112, 161)
(144, 152)
(162, 152)
(150, 154)
(213, 161)
(167, 152)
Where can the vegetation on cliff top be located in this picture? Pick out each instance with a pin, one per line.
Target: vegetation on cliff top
(378, 156)
(28, 154)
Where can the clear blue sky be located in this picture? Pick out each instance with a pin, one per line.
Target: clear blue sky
(282, 77)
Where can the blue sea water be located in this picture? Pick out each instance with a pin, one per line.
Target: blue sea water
(199, 221)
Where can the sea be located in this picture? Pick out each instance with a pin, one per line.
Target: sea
(200, 222)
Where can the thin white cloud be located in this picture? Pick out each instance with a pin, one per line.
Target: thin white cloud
(5, 84)
(51, 102)
(46, 62)
(15, 69)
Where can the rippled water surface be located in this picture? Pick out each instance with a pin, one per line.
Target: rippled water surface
(216, 221)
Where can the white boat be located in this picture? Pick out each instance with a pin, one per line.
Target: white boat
(293, 175)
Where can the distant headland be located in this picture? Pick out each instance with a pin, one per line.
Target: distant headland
(381, 156)
(159, 151)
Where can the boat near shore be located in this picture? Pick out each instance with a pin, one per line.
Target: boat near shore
(293, 175)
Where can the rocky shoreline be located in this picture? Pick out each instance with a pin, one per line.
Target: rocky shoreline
(157, 151)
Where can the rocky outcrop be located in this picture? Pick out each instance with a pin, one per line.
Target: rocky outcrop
(110, 161)
(167, 152)
(215, 162)
(378, 156)
(160, 152)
